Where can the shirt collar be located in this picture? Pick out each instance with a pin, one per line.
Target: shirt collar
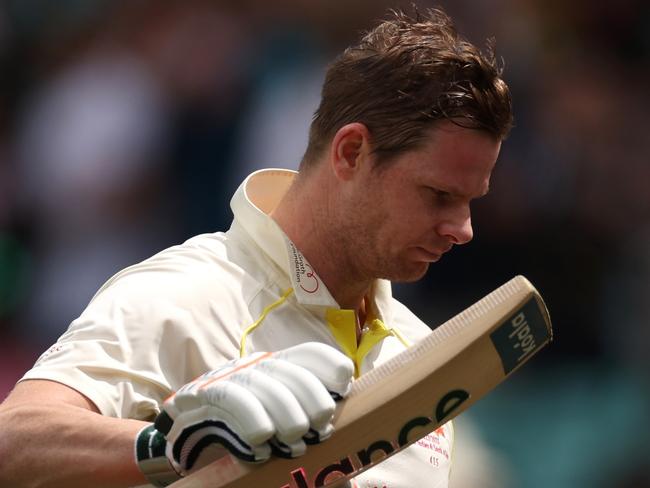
(251, 204)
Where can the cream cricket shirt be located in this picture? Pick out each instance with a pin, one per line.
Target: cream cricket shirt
(161, 323)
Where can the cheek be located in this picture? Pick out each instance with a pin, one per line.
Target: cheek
(418, 212)
(412, 221)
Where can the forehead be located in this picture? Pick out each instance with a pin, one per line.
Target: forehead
(453, 158)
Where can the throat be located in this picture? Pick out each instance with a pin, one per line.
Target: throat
(361, 318)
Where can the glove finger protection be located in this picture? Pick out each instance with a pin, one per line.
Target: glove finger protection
(330, 366)
(333, 370)
(267, 402)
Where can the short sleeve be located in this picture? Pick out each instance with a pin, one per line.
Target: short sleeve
(140, 339)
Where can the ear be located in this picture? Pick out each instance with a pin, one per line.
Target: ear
(350, 150)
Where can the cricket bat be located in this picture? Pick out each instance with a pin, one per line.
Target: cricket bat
(407, 396)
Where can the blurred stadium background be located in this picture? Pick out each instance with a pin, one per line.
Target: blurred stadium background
(125, 126)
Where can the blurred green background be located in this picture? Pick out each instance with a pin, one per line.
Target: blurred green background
(125, 126)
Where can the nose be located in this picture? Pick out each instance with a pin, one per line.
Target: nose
(457, 227)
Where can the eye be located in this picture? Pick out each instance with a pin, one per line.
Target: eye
(440, 195)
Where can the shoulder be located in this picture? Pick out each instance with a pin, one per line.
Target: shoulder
(190, 276)
(193, 292)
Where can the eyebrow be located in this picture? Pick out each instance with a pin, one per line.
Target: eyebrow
(455, 192)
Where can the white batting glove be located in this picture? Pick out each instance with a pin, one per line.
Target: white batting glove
(265, 403)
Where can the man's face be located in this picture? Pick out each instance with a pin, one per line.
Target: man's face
(416, 207)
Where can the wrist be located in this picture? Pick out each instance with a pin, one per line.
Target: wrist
(150, 457)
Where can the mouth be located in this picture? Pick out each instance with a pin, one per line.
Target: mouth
(429, 256)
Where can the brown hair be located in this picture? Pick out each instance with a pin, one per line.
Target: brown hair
(405, 75)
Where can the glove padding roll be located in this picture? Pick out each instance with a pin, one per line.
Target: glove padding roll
(267, 402)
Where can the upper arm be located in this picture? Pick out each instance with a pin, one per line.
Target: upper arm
(47, 392)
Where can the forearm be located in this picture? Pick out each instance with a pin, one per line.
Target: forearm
(66, 446)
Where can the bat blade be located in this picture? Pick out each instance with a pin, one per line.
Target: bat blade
(409, 395)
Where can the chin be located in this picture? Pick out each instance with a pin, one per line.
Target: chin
(409, 273)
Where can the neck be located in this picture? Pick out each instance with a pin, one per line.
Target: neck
(307, 214)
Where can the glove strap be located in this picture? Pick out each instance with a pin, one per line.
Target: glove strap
(151, 459)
